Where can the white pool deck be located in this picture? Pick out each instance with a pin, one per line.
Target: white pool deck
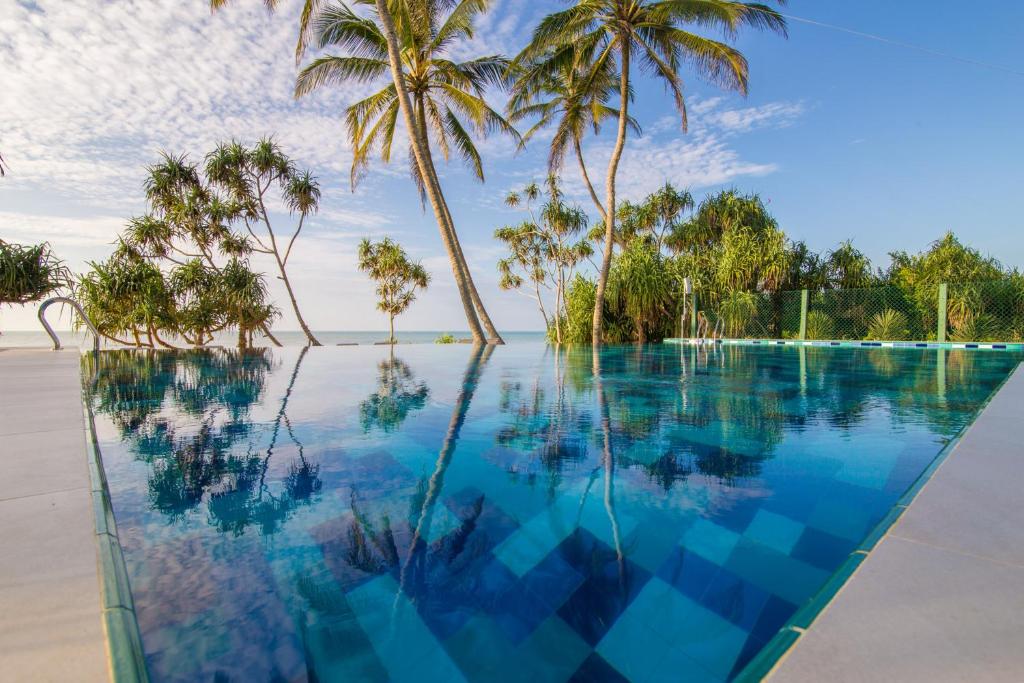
(51, 625)
(940, 598)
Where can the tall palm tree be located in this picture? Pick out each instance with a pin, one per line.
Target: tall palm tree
(608, 34)
(433, 93)
(572, 102)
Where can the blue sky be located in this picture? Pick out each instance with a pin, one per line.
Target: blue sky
(845, 137)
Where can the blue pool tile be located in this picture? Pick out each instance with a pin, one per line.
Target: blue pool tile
(688, 572)
(774, 615)
(774, 531)
(609, 585)
(595, 669)
(532, 542)
(776, 573)
(710, 541)
(735, 599)
(710, 641)
(633, 649)
(822, 549)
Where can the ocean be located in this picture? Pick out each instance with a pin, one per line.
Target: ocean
(29, 338)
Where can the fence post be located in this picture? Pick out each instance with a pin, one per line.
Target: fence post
(804, 298)
(693, 314)
(940, 335)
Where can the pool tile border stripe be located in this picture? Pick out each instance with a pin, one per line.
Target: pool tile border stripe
(765, 661)
(124, 640)
(833, 343)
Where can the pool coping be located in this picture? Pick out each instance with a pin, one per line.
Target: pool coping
(775, 650)
(852, 343)
(126, 656)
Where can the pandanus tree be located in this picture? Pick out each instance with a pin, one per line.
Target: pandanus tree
(603, 36)
(439, 99)
(247, 175)
(545, 250)
(28, 273)
(396, 276)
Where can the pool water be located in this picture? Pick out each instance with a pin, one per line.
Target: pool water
(513, 513)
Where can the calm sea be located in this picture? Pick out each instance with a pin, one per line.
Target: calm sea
(289, 338)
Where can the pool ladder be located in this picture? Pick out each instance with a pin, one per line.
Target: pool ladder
(81, 314)
(703, 326)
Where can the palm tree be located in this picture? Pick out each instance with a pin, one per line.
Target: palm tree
(606, 35)
(434, 94)
(397, 277)
(573, 103)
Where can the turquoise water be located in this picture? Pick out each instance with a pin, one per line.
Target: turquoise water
(451, 513)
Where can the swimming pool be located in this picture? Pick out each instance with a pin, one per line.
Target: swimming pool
(513, 513)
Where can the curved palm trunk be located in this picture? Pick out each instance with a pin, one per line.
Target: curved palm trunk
(609, 215)
(265, 329)
(586, 176)
(429, 181)
(313, 341)
(492, 333)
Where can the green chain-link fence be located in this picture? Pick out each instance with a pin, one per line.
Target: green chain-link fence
(973, 312)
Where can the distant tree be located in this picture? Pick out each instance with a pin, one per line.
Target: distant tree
(847, 267)
(396, 276)
(545, 250)
(247, 175)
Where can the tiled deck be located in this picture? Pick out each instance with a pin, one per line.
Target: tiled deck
(941, 598)
(50, 625)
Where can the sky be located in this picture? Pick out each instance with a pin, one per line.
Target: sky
(843, 136)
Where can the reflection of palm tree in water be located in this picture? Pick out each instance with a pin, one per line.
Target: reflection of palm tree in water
(477, 361)
(235, 508)
(608, 459)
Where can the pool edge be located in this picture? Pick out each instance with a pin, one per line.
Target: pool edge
(125, 657)
(774, 652)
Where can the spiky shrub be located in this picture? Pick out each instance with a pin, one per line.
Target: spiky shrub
(28, 273)
(579, 307)
(980, 327)
(888, 324)
(819, 325)
(737, 310)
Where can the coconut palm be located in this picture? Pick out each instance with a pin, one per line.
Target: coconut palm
(435, 94)
(604, 35)
(570, 101)
(397, 277)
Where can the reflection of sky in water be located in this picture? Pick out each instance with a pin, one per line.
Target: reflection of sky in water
(450, 513)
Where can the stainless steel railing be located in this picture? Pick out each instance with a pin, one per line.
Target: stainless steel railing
(81, 313)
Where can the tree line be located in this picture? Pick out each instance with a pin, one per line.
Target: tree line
(184, 267)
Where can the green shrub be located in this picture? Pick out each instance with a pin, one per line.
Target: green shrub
(446, 338)
(819, 326)
(29, 273)
(889, 324)
(977, 328)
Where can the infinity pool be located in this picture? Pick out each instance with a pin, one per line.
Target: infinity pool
(512, 513)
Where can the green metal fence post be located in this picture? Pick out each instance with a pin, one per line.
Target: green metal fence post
(804, 298)
(693, 314)
(940, 335)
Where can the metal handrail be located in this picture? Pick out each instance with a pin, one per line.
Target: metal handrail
(719, 328)
(78, 307)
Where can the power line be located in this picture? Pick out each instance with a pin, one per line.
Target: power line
(910, 46)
